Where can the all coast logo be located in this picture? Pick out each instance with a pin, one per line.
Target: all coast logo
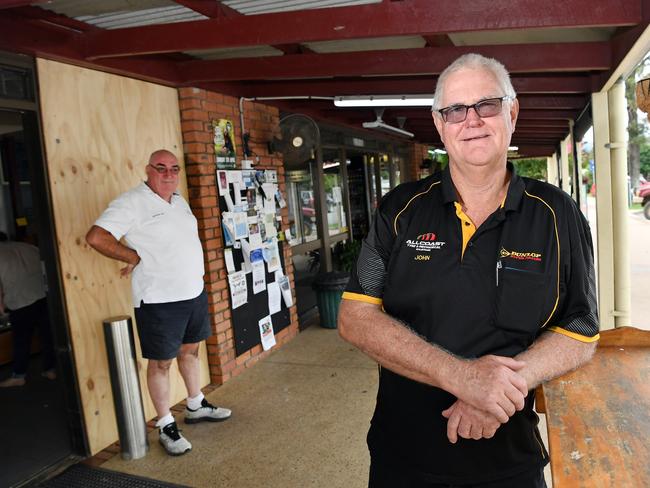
(521, 256)
(425, 242)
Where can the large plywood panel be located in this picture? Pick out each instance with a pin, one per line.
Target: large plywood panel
(99, 130)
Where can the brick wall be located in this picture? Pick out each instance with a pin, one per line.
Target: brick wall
(417, 153)
(198, 109)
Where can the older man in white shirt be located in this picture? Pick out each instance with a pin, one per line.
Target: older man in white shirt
(163, 253)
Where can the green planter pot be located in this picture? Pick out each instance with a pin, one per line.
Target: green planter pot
(329, 287)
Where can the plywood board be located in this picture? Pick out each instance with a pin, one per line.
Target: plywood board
(99, 130)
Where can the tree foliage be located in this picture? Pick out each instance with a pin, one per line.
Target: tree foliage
(532, 168)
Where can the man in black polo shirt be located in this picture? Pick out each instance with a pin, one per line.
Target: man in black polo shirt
(473, 286)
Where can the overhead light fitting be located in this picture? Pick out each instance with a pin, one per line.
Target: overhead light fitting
(385, 101)
(513, 148)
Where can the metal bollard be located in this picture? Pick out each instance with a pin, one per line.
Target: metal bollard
(125, 383)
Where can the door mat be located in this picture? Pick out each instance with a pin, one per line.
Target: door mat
(83, 476)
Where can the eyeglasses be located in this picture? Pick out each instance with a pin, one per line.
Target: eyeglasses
(161, 170)
(485, 108)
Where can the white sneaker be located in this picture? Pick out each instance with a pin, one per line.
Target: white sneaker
(173, 442)
(206, 413)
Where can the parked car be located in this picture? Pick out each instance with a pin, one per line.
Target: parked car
(644, 192)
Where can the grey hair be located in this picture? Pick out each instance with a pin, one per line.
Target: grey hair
(474, 61)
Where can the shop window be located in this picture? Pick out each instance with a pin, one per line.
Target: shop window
(302, 208)
(384, 173)
(370, 181)
(15, 83)
(336, 206)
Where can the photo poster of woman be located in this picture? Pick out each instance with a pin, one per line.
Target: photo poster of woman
(224, 143)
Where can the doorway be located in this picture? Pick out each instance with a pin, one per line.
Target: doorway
(43, 426)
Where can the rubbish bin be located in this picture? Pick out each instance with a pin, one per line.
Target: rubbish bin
(329, 287)
(125, 383)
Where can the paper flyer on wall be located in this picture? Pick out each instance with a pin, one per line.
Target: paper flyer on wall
(274, 297)
(246, 253)
(269, 225)
(240, 220)
(285, 289)
(222, 182)
(230, 263)
(224, 143)
(228, 228)
(266, 333)
(272, 255)
(280, 199)
(254, 233)
(238, 289)
(249, 178)
(259, 277)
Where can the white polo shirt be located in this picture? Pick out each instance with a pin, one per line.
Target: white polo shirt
(165, 236)
(21, 274)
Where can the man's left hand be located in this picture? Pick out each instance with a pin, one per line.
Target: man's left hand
(469, 422)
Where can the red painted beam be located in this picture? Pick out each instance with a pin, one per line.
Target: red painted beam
(218, 10)
(6, 4)
(415, 17)
(53, 19)
(523, 84)
(519, 58)
(34, 38)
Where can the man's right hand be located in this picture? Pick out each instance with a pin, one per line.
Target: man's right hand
(491, 383)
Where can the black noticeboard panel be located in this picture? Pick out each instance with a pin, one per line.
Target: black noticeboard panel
(245, 318)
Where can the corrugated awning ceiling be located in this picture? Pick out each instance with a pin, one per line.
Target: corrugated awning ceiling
(253, 7)
(116, 14)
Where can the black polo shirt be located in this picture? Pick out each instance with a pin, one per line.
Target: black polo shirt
(491, 290)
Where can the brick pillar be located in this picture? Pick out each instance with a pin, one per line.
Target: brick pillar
(417, 153)
(198, 109)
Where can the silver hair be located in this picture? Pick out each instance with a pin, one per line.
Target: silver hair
(474, 61)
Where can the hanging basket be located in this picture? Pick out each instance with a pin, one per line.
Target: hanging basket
(643, 95)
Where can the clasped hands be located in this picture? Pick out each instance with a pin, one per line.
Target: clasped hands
(489, 390)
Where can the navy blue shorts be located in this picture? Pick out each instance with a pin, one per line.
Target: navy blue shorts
(163, 327)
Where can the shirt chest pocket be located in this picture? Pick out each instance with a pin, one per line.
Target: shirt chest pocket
(524, 300)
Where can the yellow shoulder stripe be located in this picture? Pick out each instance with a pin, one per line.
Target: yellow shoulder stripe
(409, 202)
(573, 335)
(348, 295)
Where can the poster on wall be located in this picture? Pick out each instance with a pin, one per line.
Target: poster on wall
(266, 333)
(238, 289)
(224, 143)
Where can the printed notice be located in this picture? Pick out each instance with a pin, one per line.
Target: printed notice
(266, 333)
(285, 288)
(238, 289)
(259, 277)
(272, 255)
(230, 263)
(275, 297)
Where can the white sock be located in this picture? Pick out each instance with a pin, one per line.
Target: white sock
(165, 420)
(194, 403)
